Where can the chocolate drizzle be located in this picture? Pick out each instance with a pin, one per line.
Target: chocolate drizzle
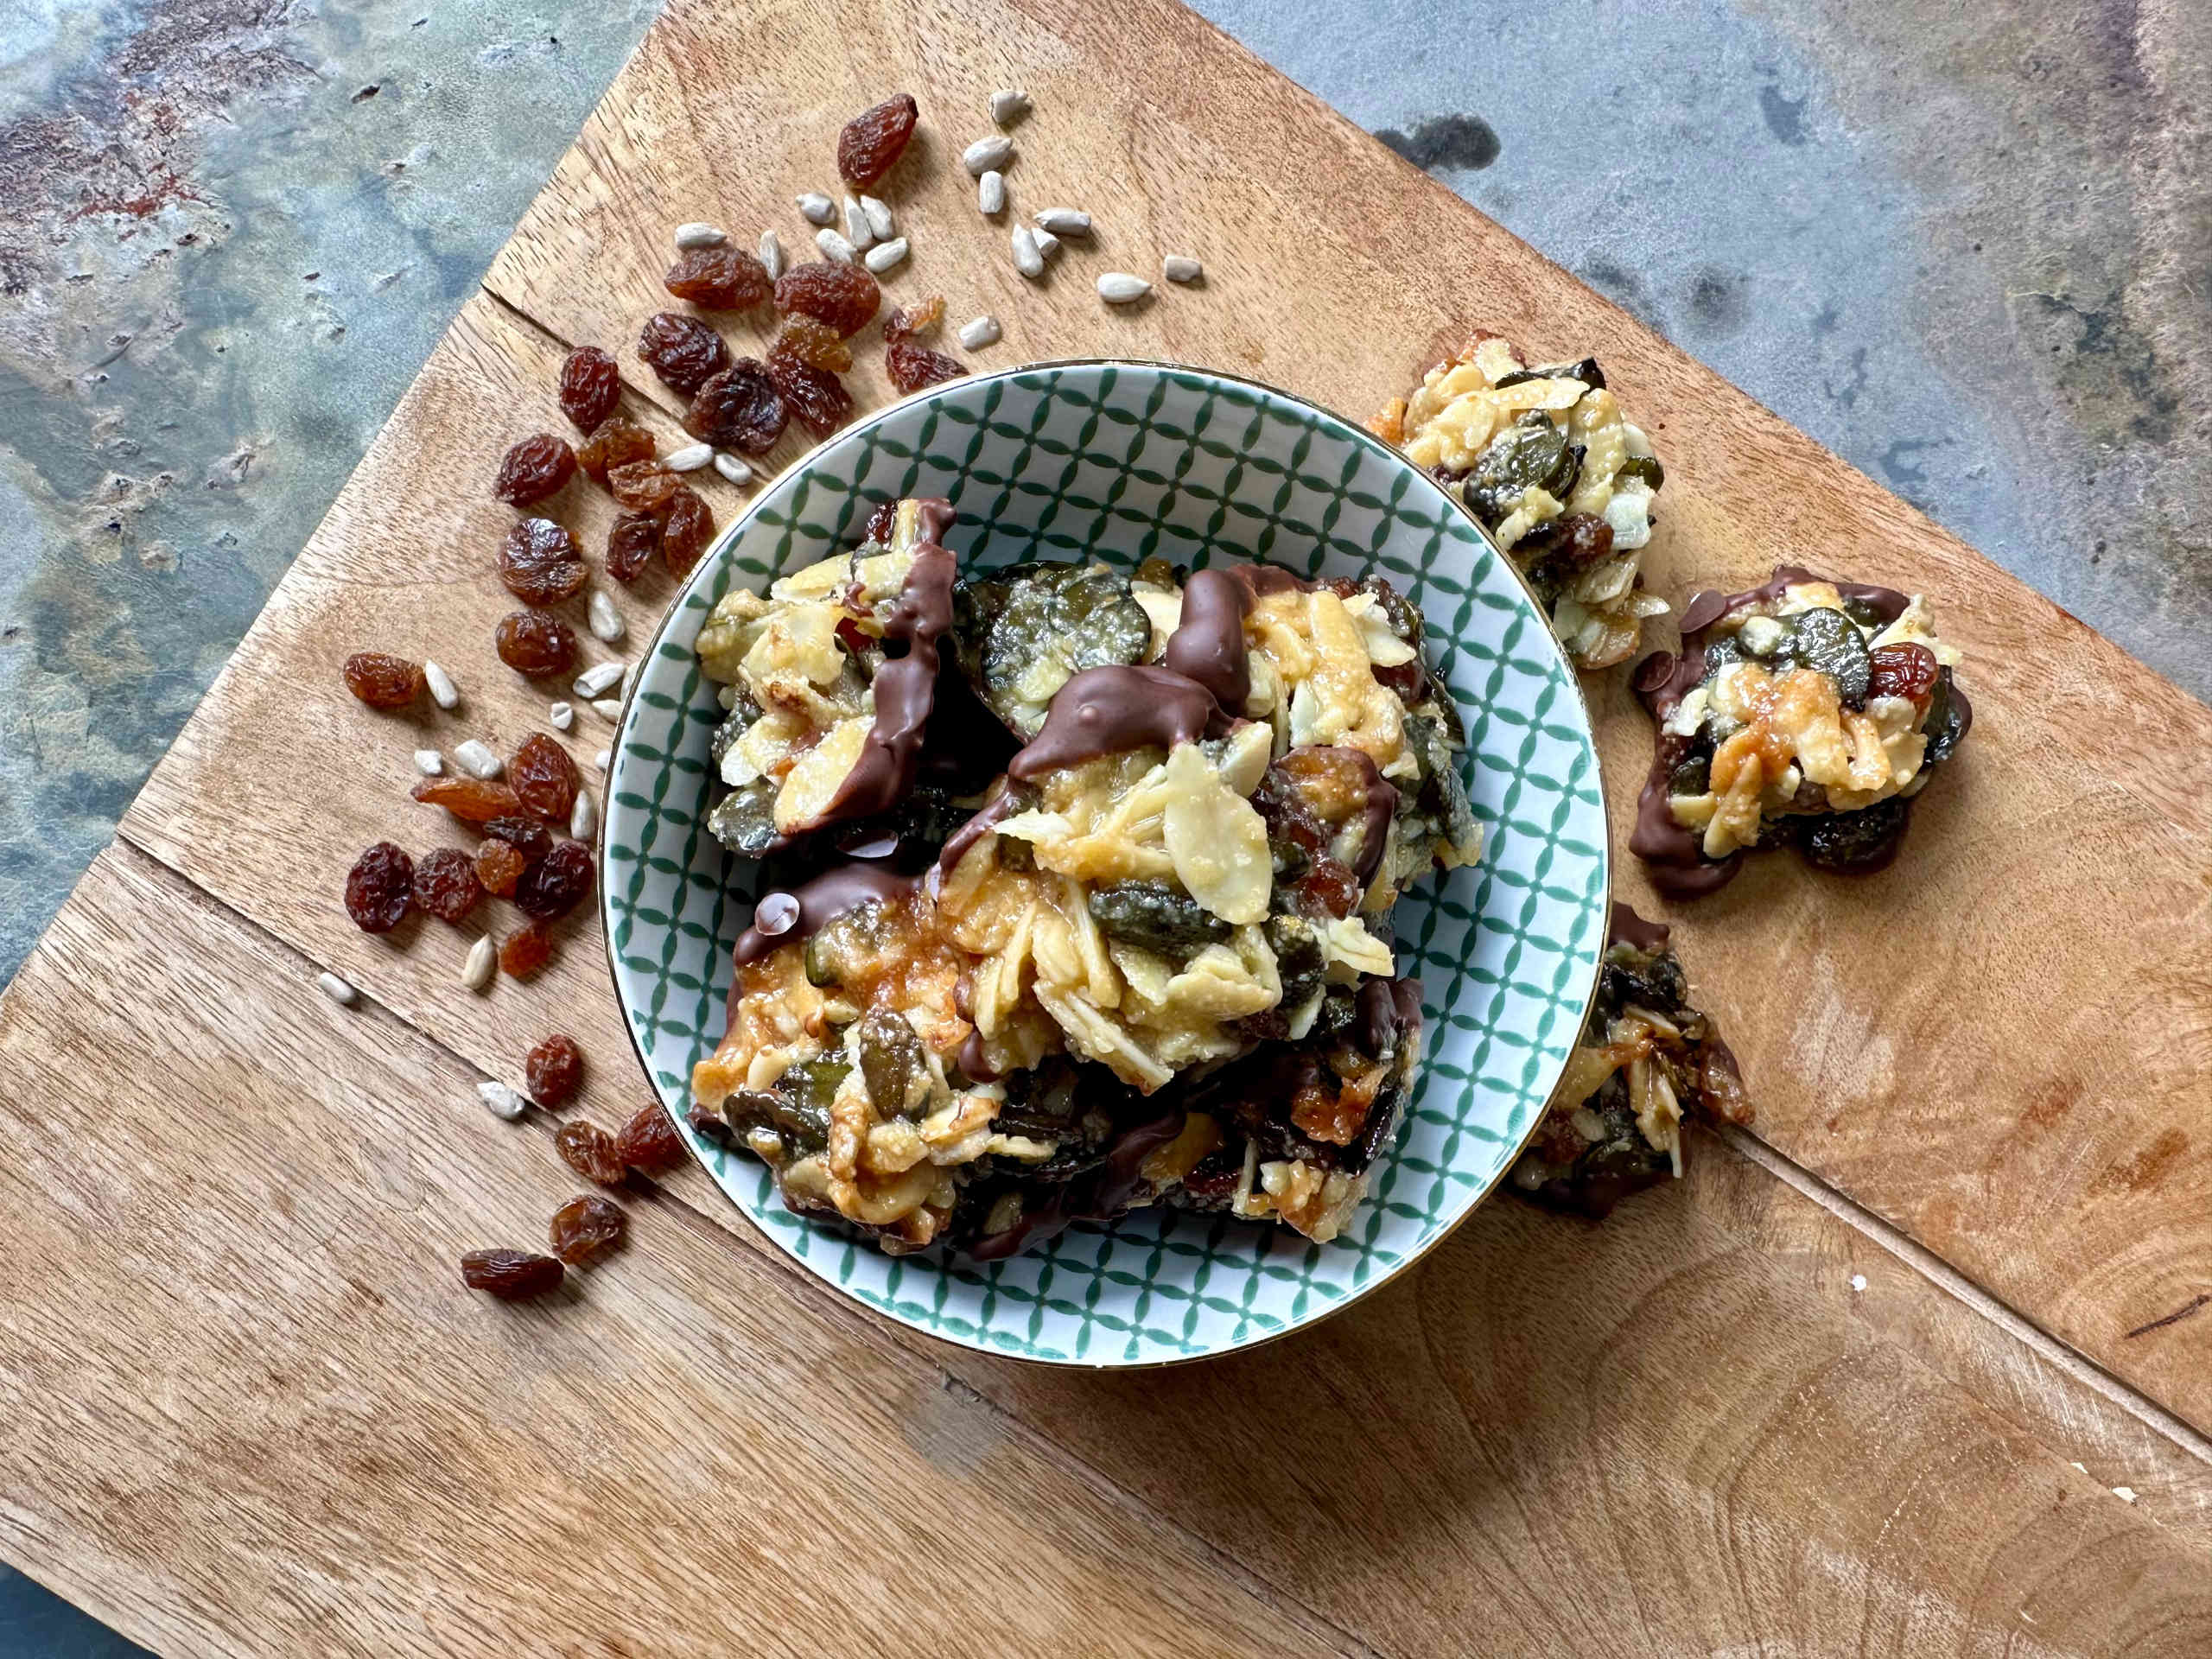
(1630, 929)
(1208, 644)
(782, 917)
(1111, 710)
(1001, 806)
(1267, 580)
(1378, 805)
(1386, 1010)
(1707, 607)
(905, 685)
(1099, 1195)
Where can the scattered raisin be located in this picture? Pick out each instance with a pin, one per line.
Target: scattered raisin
(381, 680)
(738, 408)
(629, 545)
(473, 800)
(544, 778)
(552, 887)
(683, 351)
(914, 322)
(584, 1226)
(844, 296)
(555, 1069)
(541, 564)
(591, 387)
(645, 487)
(721, 279)
(1902, 671)
(871, 143)
(512, 1275)
(690, 526)
(530, 642)
(615, 442)
(911, 367)
(526, 836)
(815, 396)
(499, 867)
(526, 950)
(446, 883)
(649, 1142)
(590, 1151)
(379, 887)
(534, 469)
(806, 339)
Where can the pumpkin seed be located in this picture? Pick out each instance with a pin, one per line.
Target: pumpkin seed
(990, 192)
(605, 621)
(879, 217)
(985, 154)
(476, 758)
(443, 691)
(1181, 268)
(1026, 259)
(689, 459)
(699, 234)
(979, 333)
(816, 209)
(835, 246)
(1008, 105)
(338, 990)
(1065, 221)
(1119, 288)
(1155, 917)
(882, 256)
(771, 255)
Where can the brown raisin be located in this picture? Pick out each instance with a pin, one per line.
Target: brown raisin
(911, 367)
(816, 396)
(721, 279)
(551, 888)
(844, 296)
(629, 545)
(690, 526)
(446, 883)
(526, 950)
(591, 387)
(530, 642)
(683, 351)
(914, 322)
(649, 1142)
(512, 1275)
(544, 778)
(871, 142)
(555, 1069)
(806, 339)
(583, 1227)
(473, 800)
(738, 408)
(645, 487)
(534, 469)
(541, 562)
(590, 1151)
(499, 867)
(615, 442)
(379, 887)
(526, 836)
(1908, 670)
(381, 680)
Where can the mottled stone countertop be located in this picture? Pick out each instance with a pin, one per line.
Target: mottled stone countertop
(1966, 247)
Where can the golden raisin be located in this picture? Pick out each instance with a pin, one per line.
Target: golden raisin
(473, 800)
(541, 562)
(645, 486)
(615, 442)
(544, 778)
(914, 322)
(526, 950)
(590, 1151)
(381, 680)
(844, 296)
(807, 339)
(530, 642)
(721, 279)
(584, 1226)
(499, 867)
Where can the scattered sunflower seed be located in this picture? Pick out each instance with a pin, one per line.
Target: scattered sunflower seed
(584, 816)
(699, 234)
(608, 708)
(771, 255)
(1181, 268)
(1119, 288)
(884, 255)
(1008, 106)
(985, 154)
(731, 467)
(990, 192)
(1065, 221)
(606, 622)
(817, 208)
(1047, 243)
(629, 678)
(503, 1102)
(603, 759)
(835, 246)
(596, 678)
(474, 757)
(689, 459)
(443, 691)
(563, 714)
(1026, 259)
(483, 960)
(338, 990)
(430, 762)
(856, 226)
(982, 332)
(879, 217)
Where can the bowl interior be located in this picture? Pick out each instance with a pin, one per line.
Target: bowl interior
(1124, 461)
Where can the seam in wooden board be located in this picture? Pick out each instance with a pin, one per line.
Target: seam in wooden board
(810, 1292)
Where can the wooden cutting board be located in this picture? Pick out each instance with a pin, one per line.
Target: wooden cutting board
(1866, 1381)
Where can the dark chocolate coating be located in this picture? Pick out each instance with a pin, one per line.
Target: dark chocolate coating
(1111, 710)
(906, 686)
(1208, 644)
(813, 904)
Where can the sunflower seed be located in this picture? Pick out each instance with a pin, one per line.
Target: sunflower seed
(503, 1102)
(596, 678)
(884, 255)
(731, 467)
(1181, 268)
(835, 246)
(1026, 259)
(563, 714)
(1065, 221)
(689, 459)
(983, 330)
(1008, 106)
(985, 154)
(857, 226)
(476, 758)
(430, 762)
(817, 208)
(608, 708)
(338, 990)
(879, 217)
(699, 234)
(483, 959)
(1047, 243)
(443, 691)
(990, 192)
(603, 759)
(771, 255)
(606, 622)
(629, 678)
(584, 816)
(1119, 288)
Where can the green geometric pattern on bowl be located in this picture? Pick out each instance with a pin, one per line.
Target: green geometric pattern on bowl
(1123, 461)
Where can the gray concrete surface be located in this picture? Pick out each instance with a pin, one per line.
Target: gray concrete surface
(1966, 247)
